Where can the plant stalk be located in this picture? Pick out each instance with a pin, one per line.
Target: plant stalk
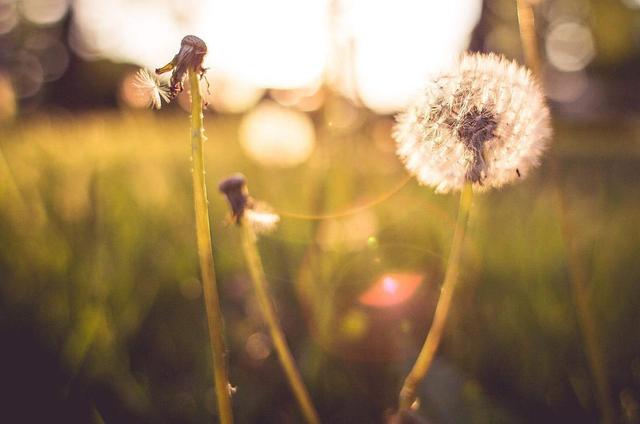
(205, 255)
(277, 335)
(577, 275)
(431, 343)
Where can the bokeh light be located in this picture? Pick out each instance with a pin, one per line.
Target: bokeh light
(44, 12)
(230, 95)
(395, 44)
(258, 346)
(398, 43)
(273, 135)
(352, 232)
(391, 289)
(570, 46)
(8, 16)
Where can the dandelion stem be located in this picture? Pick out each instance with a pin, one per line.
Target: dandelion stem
(425, 358)
(205, 255)
(284, 354)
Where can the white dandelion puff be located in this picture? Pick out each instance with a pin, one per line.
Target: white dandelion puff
(261, 218)
(152, 88)
(484, 122)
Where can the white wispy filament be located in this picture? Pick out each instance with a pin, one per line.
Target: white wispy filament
(151, 88)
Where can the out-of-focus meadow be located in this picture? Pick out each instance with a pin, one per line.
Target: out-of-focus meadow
(101, 309)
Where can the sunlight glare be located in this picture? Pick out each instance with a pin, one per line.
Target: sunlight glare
(273, 135)
(391, 289)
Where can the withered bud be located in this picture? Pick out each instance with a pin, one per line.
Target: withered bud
(235, 188)
(190, 56)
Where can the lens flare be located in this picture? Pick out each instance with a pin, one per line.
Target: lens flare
(391, 289)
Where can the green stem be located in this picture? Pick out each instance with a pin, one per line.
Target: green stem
(284, 354)
(586, 319)
(425, 358)
(205, 255)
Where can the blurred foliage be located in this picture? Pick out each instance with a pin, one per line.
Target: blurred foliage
(100, 307)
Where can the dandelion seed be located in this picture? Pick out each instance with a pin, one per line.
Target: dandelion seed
(151, 88)
(485, 122)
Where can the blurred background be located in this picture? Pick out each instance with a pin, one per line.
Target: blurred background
(101, 314)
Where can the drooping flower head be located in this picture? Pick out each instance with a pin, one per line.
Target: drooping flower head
(484, 122)
(244, 208)
(190, 56)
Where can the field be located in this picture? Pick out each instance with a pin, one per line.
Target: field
(100, 302)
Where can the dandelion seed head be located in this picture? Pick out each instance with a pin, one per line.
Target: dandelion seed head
(151, 88)
(485, 121)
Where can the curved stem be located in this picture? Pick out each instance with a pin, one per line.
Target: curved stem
(425, 358)
(277, 335)
(205, 255)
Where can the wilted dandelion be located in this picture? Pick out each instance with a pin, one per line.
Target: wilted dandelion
(484, 122)
(244, 209)
(253, 218)
(188, 63)
(152, 89)
(190, 56)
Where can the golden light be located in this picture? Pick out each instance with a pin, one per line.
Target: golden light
(273, 135)
(271, 44)
(229, 95)
(7, 98)
(286, 44)
(398, 43)
(391, 289)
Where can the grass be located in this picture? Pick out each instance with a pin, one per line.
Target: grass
(98, 270)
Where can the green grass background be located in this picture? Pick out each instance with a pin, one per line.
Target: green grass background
(100, 309)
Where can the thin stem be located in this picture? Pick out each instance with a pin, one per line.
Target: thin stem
(586, 319)
(577, 275)
(421, 367)
(203, 234)
(527, 27)
(350, 211)
(284, 354)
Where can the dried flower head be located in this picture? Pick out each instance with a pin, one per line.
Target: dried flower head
(244, 209)
(151, 88)
(485, 122)
(190, 56)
